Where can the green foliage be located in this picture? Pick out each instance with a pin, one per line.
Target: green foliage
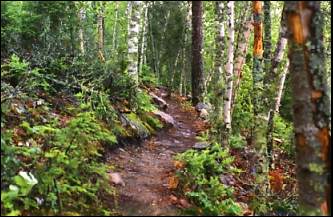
(147, 76)
(243, 109)
(284, 130)
(69, 172)
(236, 141)
(201, 173)
(144, 102)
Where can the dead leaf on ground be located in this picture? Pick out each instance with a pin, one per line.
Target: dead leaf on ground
(173, 182)
(179, 164)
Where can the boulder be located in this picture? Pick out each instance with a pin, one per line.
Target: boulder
(166, 118)
(159, 101)
(135, 124)
(202, 105)
(201, 145)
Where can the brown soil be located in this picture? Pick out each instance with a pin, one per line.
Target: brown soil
(146, 168)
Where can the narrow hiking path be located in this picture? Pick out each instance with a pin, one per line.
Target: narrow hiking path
(146, 168)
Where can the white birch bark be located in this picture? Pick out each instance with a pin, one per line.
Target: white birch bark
(229, 65)
(133, 39)
(81, 34)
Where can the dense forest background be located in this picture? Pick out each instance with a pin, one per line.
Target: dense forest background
(77, 80)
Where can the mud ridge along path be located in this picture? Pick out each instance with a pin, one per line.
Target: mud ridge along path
(146, 168)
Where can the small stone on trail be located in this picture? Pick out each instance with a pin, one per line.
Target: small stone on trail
(116, 179)
(184, 203)
(204, 114)
(173, 199)
(201, 145)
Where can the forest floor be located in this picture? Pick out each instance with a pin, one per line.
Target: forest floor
(147, 169)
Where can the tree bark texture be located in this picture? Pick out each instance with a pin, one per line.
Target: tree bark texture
(311, 106)
(197, 64)
(229, 66)
(133, 40)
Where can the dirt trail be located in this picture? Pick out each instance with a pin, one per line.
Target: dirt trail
(145, 168)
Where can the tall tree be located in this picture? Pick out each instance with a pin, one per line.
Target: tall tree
(241, 50)
(311, 106)
(142, 57)
(219, 43)
(197, 65)
(81, 31)
(133, 39)
(229, 67)
(258, 132)
(270, 78)
(100, 28)
(257, 70)
(267, 36)
(273, 111)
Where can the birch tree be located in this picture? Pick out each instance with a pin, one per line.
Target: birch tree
(229, 66)
(242, 46)
(271, 77)
(197, 65)
(81, 34)
(100, 28)
(311, 106)
(219, 42)
(142, 59)
(133, 40)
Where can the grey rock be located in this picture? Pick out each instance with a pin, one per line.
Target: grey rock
(159, 101)
(166, 118)
(201, 145)
(204, 113)
(202, 105)
(116, 179)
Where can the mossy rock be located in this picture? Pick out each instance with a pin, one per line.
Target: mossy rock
(152, 120)
(135, 124)
(119, 130)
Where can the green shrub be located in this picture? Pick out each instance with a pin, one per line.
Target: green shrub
(64, 167)
(201, 173)
(283, 129)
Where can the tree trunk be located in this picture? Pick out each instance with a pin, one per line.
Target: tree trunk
(257, 69)
(219, 41)
(280, 48)
(271, 77)
(133, 40)
(272, 112)
(197, 65)
(267, 37)
(229, 67)
(311, 106)
(243, 42)
(100, 25)
(81, 34)
(114, 37)
(143, 36)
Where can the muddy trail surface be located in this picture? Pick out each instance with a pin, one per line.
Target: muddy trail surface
(146, 168)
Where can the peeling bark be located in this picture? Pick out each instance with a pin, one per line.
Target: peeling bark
(311, 106)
